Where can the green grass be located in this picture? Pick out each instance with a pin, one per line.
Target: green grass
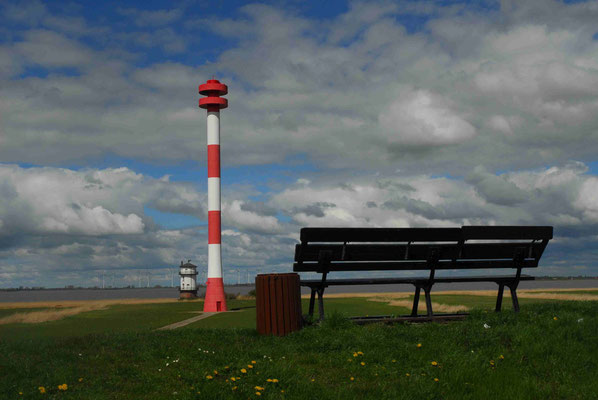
(5, 312)
(120, 356)
(117, 318)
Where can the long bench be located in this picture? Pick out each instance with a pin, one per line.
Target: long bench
(327, 250)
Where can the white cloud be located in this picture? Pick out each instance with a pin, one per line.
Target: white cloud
(423, 118)
(50, 49)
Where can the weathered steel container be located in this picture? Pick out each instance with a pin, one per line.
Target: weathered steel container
(278, 304)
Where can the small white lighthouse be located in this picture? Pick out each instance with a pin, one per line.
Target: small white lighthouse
(188, 273)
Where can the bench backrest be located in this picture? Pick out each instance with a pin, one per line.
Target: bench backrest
(468, 247)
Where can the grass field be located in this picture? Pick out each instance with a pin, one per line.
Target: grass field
(548, 351)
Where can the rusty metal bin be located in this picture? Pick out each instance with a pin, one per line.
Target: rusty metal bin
(278, 304)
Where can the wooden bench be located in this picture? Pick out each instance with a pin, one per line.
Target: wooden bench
(327, 250)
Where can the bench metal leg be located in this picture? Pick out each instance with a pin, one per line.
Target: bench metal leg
(311, 302)
(501, 289)
(321, 303)
(428, 301)
(415, 302)
(514, 297)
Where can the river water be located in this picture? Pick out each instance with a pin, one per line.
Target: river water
(157, 293)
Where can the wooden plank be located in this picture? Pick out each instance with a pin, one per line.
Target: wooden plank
(396, 252)
(507, 232)
(265, 305)
(412, 265)
(391, 281)
(273, 315)
(279, 301)
(259, 304)
(379, 234)
(267, 311)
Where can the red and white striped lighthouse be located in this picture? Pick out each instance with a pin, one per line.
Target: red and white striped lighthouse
(213, 89)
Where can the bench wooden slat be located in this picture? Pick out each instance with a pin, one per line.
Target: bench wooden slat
(379, 234)
(390, 281)
(390, 252)
(411, 265)
(507, 232)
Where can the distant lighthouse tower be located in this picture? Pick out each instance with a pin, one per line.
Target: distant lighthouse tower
(213, 103)
(188, 273)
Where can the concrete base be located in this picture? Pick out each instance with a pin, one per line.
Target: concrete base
(215, 299)
(188, 295)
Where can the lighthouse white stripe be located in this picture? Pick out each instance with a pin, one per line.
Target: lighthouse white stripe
(213, 127)
(213, 194)
(214, 263)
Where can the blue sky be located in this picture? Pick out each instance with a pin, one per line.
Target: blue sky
(385, 113)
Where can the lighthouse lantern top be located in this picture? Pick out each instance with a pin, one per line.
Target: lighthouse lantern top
(213, 88)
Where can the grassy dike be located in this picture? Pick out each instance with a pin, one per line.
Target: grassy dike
(548, 351)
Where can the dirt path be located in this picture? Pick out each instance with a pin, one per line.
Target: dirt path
(186, 321)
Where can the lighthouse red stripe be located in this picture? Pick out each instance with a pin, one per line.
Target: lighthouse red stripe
(213, 161)
(213, 227)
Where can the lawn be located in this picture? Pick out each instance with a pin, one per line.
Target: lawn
(549, 350)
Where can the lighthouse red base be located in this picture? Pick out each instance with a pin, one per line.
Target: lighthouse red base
(215, 299)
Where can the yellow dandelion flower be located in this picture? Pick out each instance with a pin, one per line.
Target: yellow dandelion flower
(20, 393)
(249, 366)
(435, 379)
(407, 374)
(226, 381)
(492, 362)
(234, 387)
(555, 318)
(394, 361)
(215, 372)
(80, 379)
(434, 363)
(362, 363)
(354, 354)
(209, 377)
(227, 367)
(258, 394)
(419, 345)
(275, 380)
(253, 362)
(501, 357)
(268, 380)
(360, 353)
(233, 379)
(42, 389)
(352, 379)
(64, 386)
(313, 380)
(282, 391)
(243, 371)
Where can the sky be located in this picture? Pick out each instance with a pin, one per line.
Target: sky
(360, 114)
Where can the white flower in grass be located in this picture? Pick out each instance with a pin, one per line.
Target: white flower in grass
(486, 326)
(580, 320)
